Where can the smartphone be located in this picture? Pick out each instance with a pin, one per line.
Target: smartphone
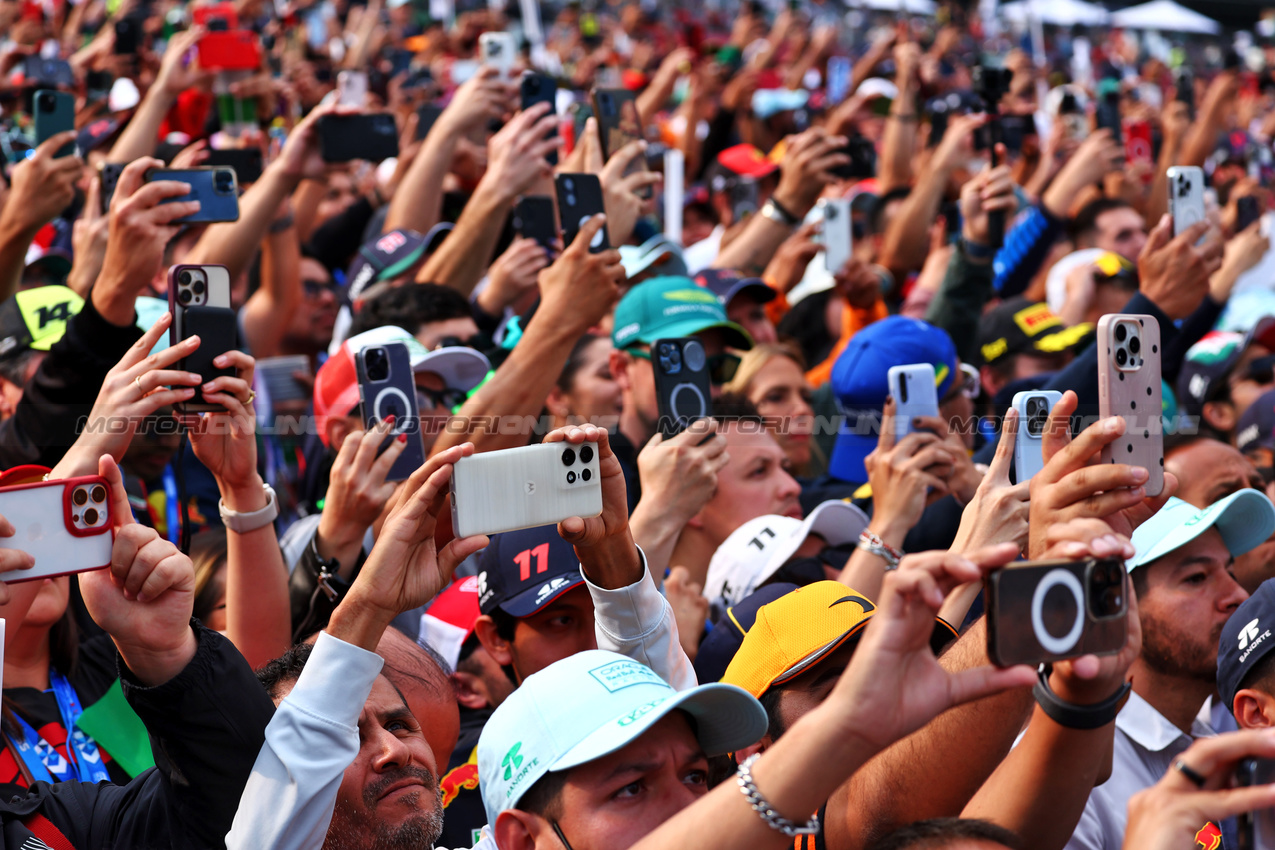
(215, 187)
(426, 116)
(372, 137)
(48, 73)
(1184, 89)
(279, 376)
(497, 49)
(1073, 117)
(229, 50)
(674, 188)
(683, 389)
(1014, 131)
(351, 88)
(1137, 142)
(110, 173)
(1256, 829)
(128, 36)
(1129, 386)
(838, 78)
(525, 487)
(198, 286)
(1107, 115)
(387, 388)
(915, 393)
(64, 524)
(618, 125)
(745, 197)
(218, 332)
(1033, 414)
(863, 160)
(1186, 196)
(246, 162)
(539, 88)
(837, 236)
(97, 85)
(1248, 209)
(535, 218)
(54, 113)
(579, 199)
(1042, 611)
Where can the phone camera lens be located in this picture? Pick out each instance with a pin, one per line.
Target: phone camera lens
(90, 516)
(99, 493)
(184, 296)
(223, 182)
(586, 474)
(586, 454)
(48, 103)
(568, 457)
(1134, 345)
(571, 477)
(1121, 333)
(377, 363)
(569, 183)
(693, 355)
(1121, 357)
(184, 278)
(571, 198)
(79, 497)
(197, 287)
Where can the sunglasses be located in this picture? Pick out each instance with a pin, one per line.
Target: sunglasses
(439, 399)
(721, 367)
(315, 288)
(968, 384)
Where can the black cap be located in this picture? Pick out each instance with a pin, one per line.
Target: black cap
(1020, 325)
(1246, 639)
(520, 572)
(719, 648)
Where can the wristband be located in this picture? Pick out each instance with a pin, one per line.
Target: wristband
(779, 214)
(283, 224)
(872, 543)
(1074, 716)
(764, 810)
(976, 251)
(242, 523)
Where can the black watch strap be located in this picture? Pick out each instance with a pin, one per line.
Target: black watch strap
(1075, 716)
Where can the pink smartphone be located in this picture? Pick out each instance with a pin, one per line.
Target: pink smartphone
(65, 525)
(1129, 387)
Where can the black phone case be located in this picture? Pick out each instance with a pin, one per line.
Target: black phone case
(218, 332)
(216, 189)
(580, 198)
(682, 397)
(538, 88)
(535, 218)
(368, 137)
(1247, 210)
(246, 162)
(111, 172)
(401, 401)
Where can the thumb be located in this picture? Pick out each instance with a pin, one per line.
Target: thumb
(1159, 236)
(999, 467)
(117, 498)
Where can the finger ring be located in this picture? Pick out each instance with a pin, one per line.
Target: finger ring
(138, 381)
(1190, 773)
(251, 395)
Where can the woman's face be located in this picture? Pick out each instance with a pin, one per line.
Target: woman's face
(782, 396)
(594, 395)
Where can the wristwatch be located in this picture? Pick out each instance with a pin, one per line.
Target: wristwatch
(242, 523)
(776, 213)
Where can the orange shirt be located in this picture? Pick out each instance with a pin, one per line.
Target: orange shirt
(853, 320)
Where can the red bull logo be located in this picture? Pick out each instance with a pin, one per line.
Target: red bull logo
(463, 777)
(1209, 837)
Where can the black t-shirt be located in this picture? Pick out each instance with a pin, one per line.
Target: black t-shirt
(463, 812)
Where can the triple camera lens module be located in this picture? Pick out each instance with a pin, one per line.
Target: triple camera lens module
(1127, 345)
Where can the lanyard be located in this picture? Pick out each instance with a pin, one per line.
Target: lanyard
(43, 761)
(171, 506)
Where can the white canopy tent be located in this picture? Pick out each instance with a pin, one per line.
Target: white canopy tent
(1062, 13)
(912, 7)
(1164, 15)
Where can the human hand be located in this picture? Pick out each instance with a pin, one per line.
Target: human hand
(481, 99)
(88, 240)
(788, 266)
(141, 226)
(516, 154)
(191, 156)
(1097, 156)
(301, 158)
(620, 191)
(999, 511)
(904, 474)
(957, 144)
(42, 186)
(226, 441)
(1173, 271)
(680, 473)
(806, 169)
(357, 489)
(613, 522)
(179, 69)
(991, 190)
(512, 275)
(580, 287)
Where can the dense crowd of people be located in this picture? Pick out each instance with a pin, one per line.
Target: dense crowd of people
(792, 621)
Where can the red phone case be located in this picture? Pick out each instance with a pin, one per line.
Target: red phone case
(1137, 144)
(79, 534)
(233, 50)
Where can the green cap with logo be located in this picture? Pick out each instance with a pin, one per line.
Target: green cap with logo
(665, 307)
(589, 705)
(36, 318)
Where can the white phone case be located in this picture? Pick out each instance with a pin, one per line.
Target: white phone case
(1033, 409)
(1186, 196)
(498, 50)
(352, 89)
(196, 286)
(837, 237)
(525, 487)
(915, 394)
(65, 525)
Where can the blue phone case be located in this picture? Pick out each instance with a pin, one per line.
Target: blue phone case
(216, 189)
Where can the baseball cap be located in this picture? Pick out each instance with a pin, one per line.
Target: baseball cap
(1244, 519)
(522, 571)
(727, 633)
(669, 307)
(1245, 641)
(745, 160)
(758, 548)
(589, 705)
(391, 255)
(336, 384)
(1256, 427)
(49, 266)
(793, 633)
(450, 620)
(1020, 325)
(36, 318)
(658, 252)
(768, 102)
(727, 283)
(1209, 362)
(95, 133)
(860, 383)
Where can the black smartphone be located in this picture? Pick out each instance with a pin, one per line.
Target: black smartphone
(1184, 89)
(618, 125)
(863, 160)
(246, 162)
(579, 199)
(48, 73)
(535, 218)
(110, 173)
(683, 391)
(387, 388)
(371, 137)
(938, 122)
(218, 332)
(425, 118)
(1248, 209)
(1107, 115)
(1042, 611)
(539, 88)
(216, 189)
(1014, 130)
(952, 221)
(128, 36)
(97, 85)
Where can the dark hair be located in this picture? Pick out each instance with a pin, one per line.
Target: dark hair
(409, 307)
(284, 670)
(14, 369)
(544, 798)
(575, 361)
(729, 407)
(1086, 219)
(505, 622)
(774, 723)
(876, 214)
(942, 832)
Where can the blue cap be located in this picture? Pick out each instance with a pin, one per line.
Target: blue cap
(1246, 639)
(1244, 519)
(1256, 428)
(859, 382)
(590, 705)
(518, 576)
(717, 650)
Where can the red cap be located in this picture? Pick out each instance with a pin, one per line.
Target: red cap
(746, 160)
(450, 620)
(336, 389)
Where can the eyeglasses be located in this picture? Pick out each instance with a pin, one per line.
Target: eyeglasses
(315, 288)
(721, 367)
(478, 341)
(435, 399)
(969, 384)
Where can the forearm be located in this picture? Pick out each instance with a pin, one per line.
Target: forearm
(14, 241)
(898, 142)
(466, 252)
(418, 201)
(1040, 789)
(906, 238)
(864, 571)
(153, 665)
(257, 620)
(279, 294)
(753, 249)
(232, 244)
(959, 303)
(305, 207)
(656, 530)
(141, 134)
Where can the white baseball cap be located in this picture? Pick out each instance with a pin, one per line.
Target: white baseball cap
(460, 367)
(1245, 520)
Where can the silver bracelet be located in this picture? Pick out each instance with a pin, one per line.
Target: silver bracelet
(763, 809)
(874, 545)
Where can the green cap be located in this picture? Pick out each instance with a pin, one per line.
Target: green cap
(665, 307)
(36, 318)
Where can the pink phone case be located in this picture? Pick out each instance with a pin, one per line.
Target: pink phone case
(64, 524)
(1129, 387)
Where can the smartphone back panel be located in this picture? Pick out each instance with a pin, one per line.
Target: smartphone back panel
(229, 50)
(535, 218)
(915, 394)
(368, 137)
(579, 199)
(837, 235)
(1033, 413)
(1129, 386)
(246, 162)
(540, 88)
(54, 113)
(218, 332)
(216, 189)
(683, 390)
(64, 524)
(387, 388)
(525, 487)
(1186, 196)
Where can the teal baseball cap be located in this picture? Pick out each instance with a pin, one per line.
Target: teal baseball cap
(1244, 519)
(665, 307)
(589, 705)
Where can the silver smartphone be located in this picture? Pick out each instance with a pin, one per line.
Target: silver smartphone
(1033, 413)
(915, 394)
(1186, 196)
(838, 241)
(525, 487)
